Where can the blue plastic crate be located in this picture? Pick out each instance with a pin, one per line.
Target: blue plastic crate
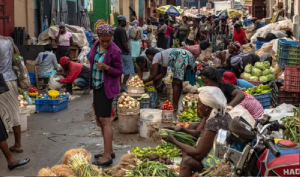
(247, 22)
(51, 108)
(287, 53)
(264, 99)
(45, 100)
(32, 77)
(259, 44)
(263, 24)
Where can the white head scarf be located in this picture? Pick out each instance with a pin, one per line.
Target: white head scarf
(214, 98)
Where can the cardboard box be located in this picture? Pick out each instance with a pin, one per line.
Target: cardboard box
(30, 65)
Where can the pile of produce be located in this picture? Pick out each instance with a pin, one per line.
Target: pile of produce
(32, 91)
(151, 168)
(127, 162)
(187, 88)
(75, 162)
(261, 89)
(162, 153)
(135, 82)
(261, 71)
(144, 96)
(179, 136)
(125, 101)
(183, 124)
(292, 126)
(190, 98)
(189, 115)
(22, 101)
(167, 106)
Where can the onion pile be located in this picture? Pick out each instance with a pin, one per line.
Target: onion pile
(22, 101)
(126, 101)
(135, 82)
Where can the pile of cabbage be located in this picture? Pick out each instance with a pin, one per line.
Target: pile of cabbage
(261, 71)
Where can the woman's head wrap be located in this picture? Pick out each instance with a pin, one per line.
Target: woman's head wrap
(64, 60)
(135, 23)
(236, 46)
(62, 24)
(214, 98)
(105, 30)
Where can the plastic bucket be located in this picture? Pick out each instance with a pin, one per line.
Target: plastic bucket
(149, 116)
(23, 119)
(167, 115)
(128, 122)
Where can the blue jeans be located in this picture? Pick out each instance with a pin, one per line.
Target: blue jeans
(167, 39)
(80, 82)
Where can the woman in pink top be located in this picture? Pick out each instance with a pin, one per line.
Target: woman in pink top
(167, 36)
(63, 40)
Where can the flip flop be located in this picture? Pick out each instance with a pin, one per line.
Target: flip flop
(15, 150)
(20, 163)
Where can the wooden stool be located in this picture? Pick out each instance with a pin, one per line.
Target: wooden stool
(37, 78)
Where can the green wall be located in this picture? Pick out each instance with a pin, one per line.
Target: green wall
(101, 11)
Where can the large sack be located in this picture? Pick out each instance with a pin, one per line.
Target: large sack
(53, 84)
(194, 49)
(77, 32)
(241, 111)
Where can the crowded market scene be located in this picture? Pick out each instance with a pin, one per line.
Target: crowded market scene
(190, 88)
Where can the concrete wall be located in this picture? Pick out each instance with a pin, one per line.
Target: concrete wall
(24, 15)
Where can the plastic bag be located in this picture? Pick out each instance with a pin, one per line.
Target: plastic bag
(241, 111)
(82, 57)
(53, 84)
(154, 43)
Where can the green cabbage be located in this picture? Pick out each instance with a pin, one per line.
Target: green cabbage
(271, 77)
(248, 68)
(267, 64)
(273, 71)
(263, 78)
(256, 72)
(266, 72)
(253, 78)
(246, 75)
(259, 65)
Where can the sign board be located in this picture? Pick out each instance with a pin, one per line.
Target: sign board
(98, 23)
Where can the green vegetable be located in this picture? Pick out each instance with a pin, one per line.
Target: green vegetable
(246, 75)
(256, 72)
(253, 78)
(248, 68)
(274, 71)
(259, 90)
(271, 77)
(183, 137)
(189, 115)
(267, 64)
(266, 72)
(259, 65)
(167, 149)
(263, 78)
(151, 168)
(292, 126)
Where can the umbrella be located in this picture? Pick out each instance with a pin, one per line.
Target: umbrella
(190, 15)
(168, 10)
(228, 13)
(180, 10)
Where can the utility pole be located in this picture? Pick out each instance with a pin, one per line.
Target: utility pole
(182, 4)
(198, 6)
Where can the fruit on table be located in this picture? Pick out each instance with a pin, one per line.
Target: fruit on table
(32, 90)
(189, 115)
(167, 106)
(184, 124)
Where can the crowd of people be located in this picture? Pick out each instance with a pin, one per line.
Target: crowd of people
(118, 52)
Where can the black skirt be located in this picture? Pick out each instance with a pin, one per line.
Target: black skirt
(3, 132)
(102, 104)
(62, 51)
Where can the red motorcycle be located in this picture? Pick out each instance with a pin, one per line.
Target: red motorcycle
(259, 154)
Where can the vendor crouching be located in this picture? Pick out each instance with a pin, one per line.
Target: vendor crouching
(212, 108)
(74, 73)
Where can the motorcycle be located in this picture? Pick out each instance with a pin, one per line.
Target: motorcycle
(259, 155)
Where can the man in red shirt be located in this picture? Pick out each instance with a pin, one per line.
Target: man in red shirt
(239, 35)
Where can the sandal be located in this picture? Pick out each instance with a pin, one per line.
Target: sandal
(113, 155)
(11, 149)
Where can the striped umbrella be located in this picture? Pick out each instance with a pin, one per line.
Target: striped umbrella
(168, 10)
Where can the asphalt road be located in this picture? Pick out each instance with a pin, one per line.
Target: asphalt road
(50, 135)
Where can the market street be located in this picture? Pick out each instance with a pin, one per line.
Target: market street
(49, 136)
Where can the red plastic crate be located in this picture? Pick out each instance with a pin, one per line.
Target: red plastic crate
(292, 79)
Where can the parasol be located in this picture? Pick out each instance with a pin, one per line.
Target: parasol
(168, 10)
(228, 13)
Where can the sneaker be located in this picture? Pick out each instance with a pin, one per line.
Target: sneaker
(87, 91)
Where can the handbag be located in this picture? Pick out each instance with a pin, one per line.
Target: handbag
(20, 69)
